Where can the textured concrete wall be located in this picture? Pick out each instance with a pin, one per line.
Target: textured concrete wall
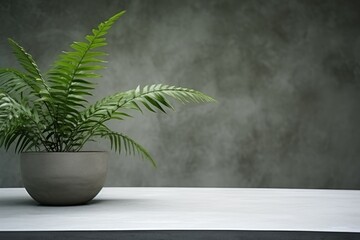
(285, 74)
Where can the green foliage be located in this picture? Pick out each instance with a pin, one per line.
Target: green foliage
(50, 112)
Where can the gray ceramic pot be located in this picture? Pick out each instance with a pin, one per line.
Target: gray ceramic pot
(63, 178)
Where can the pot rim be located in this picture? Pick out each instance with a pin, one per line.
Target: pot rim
(80, 152)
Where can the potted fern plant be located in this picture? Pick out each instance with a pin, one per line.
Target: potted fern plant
(48, 120)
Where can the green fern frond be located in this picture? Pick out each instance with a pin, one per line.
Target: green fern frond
(34, 78)
(31, 101)
(13, 115)
(68, 78)
(14, 83)
(120, 142)
(26, 60)
(151, 97)
(29, 88)
(154, 96)
(69, 73)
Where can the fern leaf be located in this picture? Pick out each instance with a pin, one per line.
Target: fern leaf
(71, 70)
(13, 81)
(152, 97)
(69, 73)
(155, 95)
(121, 142)
(13, 115)
(25, 59)
(35, 79)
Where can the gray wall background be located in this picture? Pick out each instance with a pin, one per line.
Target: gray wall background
(285, 74)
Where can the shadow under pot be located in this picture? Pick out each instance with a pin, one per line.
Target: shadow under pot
(63, 178)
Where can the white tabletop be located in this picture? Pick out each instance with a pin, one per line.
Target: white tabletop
(188, 209)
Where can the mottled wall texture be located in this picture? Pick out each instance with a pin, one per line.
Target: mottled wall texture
(285, 74)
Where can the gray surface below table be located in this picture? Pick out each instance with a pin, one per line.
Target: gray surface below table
(198, 211)
(180, 235)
